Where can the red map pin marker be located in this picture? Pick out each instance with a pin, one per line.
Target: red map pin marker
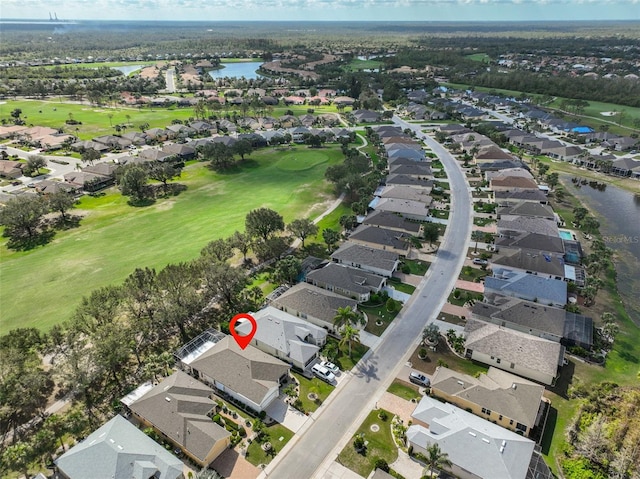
(243, 341)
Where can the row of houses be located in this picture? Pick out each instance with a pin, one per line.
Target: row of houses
(36, 136)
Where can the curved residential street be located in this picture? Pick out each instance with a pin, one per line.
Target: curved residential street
(310, 453)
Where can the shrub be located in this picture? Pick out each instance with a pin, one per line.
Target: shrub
(422, 354)
(406, 269)
(381, 464)
(358, 443)
(382, 415)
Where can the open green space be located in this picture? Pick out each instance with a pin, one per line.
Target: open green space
(379, 445)
(377, 314)
(277, 435)
(402, 287)
(343, 360)
(99, 64)
(42, 287)
(479, 57)
(416, 266)
(356, 65)
(404, 390)
(316, 386)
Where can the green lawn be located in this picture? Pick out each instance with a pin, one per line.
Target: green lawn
(320, 388)
(356, 65)
(343, 361)
(469, 273)
(479, 57)
(379, 445)
(277, 435)
(404, 390)
(402, 287)
(417, 267)
(42, 287)
(377, 314)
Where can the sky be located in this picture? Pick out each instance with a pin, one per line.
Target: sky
(324, 10)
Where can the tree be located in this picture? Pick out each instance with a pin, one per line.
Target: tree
(242, 148)
(303, 228)
(431, 334)
(242, 243)
(90, 155)
(331, 237)
(347, 316)
(61, 202)
(219, 155)
(431, 232)
(348, 222)
(163, 171)
(435, 460)
(590, 224)
(23, 217)
(263, 223)
(18, 456)
(476, 236)
(552, 179)
(224, 282)
(34, 163)
(133, 183)
(559, 194)
(272, 248)
(579, 214)
(348, 335)
(287, 269)
(219, 249)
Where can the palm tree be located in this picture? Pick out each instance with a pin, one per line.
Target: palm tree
(346, 316)
(349, 334)
(476, 236)
(436, 460)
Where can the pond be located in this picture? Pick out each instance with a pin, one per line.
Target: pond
(619, 215)
(128, 69)
(237, 70)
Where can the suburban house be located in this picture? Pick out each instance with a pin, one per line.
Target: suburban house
(477, 448)
(381, 238)
(248, 376)
(413, 210)
(533, 242)
(550, 265)
(11, 169)
(48, 187)
(284, 336)
(527, 208)
(405, 193)
(392, 221)
(419, 170)
(366, 116)
(526, 286)
(408, 180)
(507, 197)
(118, 449)
(512, 225)
(522, 172)
(180, 408)
(625, 167)
(316, 305)
(497, 396)
(88, 181)
(380, 262)
(350, 282)
(518, 353)
(512, 183)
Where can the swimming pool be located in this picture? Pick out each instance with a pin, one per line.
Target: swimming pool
(567, 235)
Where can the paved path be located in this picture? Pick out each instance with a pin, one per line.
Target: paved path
(470, 286)
(310, 454)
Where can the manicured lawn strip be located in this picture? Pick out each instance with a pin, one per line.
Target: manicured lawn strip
(380, 445)
(417, 267)
(331, 221)
(42, 287)
(356, 64)
(469, 273)
(343, 361)
(375, 314)
(320, 388)
(402, 287)
(479, 57)
(255, 454)
(404, 390)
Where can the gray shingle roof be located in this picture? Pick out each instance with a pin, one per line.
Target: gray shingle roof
(540, 262)
(527, 224)
(381, 236)
(407, 180)
(534, 242)
(178, 408)
(346, 278)
(118, 450)
(527, 208)
(249, 372)
(391, 220)
(417, 209)
(366, 256)
(512, 346)
(406, 193)
(526, 195)
(530, 285)
(478, 446)
(313, 301)
(497, 390)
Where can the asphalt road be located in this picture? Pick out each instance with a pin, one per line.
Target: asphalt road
(318, 444)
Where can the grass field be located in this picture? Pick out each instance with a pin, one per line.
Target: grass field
(96, 121)
(277, 435)
(42, 287)
(479, 57)
(356, 65)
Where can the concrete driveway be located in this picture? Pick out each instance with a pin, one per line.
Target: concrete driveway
(286, 415)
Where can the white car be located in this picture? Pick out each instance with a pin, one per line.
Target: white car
(330, 366)
(323, 373)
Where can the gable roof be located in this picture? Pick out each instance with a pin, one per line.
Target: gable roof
(472, 443)
(514, 182)
(548, 263)
(347, 278)
(248, 372)
(406, 193)
(119, 450)
(526, 195)
(381, 236)
(508, 225)
(418, 209)
(514, 283)
(527, 208)
(178, 408)
(535, 353)
(366, 256)
(533, 241)
(312, 301)
(523, 313)
(496, 390)
(391, 220)
(294, 337)
(407, 180)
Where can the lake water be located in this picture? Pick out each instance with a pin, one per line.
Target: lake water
(128, 69)
(237, 70)
(619, 216)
